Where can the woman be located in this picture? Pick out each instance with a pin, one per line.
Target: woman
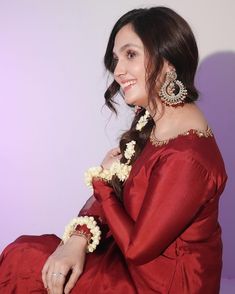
(155, 197)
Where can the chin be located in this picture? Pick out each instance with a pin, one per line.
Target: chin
(129, 101)
(135, 101)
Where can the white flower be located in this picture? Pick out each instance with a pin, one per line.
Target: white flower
(96, 172)
(130, 150)
(142, 121)
(121, 170)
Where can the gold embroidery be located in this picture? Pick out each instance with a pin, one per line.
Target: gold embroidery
(206, 133)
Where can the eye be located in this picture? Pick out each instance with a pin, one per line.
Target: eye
(131, 54)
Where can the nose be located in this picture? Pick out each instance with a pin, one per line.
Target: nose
(120, 69)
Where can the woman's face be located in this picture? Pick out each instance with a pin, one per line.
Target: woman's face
(130, 70)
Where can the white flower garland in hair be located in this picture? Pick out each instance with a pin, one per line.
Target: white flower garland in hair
(130, 151)
(142, 121)
(121, 170)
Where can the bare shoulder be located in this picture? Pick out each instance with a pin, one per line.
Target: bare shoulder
(180, 120)
(194, 118)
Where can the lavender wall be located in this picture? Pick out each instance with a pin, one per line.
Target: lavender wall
(52, 125)
(215, 80)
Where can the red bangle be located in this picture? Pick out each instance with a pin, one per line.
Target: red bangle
(82, 230)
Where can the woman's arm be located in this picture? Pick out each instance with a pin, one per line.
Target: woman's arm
(93, 208)
(72, 255)
(177, 188)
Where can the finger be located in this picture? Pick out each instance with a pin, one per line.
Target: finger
(117, 150)
(44, 273)
(72, 280)
(115, 153)
(58, 280)
(119, 156)
(49, 277)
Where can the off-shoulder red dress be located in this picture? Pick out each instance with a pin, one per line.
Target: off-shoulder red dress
(163, 238)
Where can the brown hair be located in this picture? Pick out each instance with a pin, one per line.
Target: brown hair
(166, 36)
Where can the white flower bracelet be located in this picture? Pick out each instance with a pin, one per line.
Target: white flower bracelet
(121, 170)
(91, 224)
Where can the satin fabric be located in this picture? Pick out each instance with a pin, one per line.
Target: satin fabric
(164, 237)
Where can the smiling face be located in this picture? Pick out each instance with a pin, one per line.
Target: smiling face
(130, 71)
(129, 57)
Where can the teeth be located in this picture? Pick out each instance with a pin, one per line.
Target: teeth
(129, 83)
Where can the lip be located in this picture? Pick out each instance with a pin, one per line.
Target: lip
(125, 89)
(127, 80)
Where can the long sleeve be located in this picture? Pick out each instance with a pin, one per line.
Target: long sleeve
(177, 189)
(93, 208)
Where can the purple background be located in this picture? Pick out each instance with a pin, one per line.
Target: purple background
(216, 82)
(52, 125)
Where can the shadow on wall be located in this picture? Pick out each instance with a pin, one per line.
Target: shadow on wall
(216, 82)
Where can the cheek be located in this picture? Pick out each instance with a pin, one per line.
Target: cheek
(142, 77)
(143, 82)
(139, 74)
(138, 69)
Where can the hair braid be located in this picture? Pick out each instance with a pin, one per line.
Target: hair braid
(140, 138)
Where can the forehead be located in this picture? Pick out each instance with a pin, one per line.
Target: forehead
(126, 36)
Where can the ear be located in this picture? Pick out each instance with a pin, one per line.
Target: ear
(169, 66)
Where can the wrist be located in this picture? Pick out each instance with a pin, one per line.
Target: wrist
(85, 227)
(97, 172)
(79, 240)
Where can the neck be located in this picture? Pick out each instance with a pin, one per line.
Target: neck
(168, 116)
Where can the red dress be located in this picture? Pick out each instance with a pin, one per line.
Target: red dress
(164, 237)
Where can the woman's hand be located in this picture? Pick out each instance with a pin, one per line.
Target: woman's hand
(112, 156)
(70, 256)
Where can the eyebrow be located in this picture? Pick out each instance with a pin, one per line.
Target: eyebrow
(128, 45)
